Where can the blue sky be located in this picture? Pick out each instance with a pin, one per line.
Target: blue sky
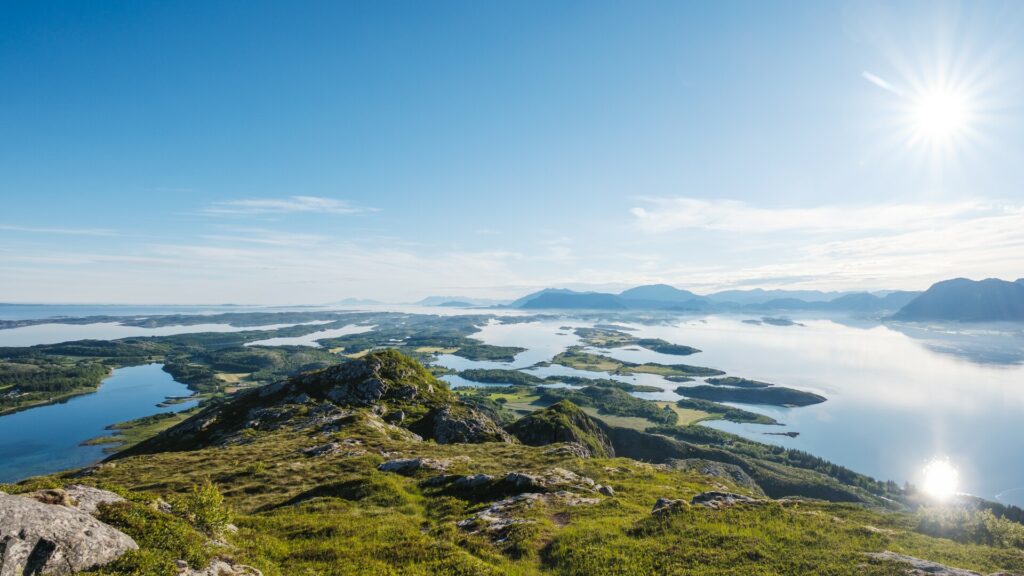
(304, 152)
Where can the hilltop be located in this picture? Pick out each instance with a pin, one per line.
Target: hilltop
(375, 466)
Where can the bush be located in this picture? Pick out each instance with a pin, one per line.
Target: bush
(204, 508)
(971, 526)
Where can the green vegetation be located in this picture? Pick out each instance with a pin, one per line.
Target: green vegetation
(562, 422)
(608, 337)
(737, 382)
(511, 377)
(718, 411)
(576, 357)
(775, 395)
(610, 401)
(338, 514)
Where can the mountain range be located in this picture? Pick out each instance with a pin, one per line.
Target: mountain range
(959, 299)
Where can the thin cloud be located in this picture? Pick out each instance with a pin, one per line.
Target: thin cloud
(672, 214)
(881, 83)
(289, 205)
(66, 231)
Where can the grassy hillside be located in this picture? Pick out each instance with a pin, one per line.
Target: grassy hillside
(308, 474)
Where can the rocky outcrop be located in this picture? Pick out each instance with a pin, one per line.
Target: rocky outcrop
(84, 498)
(563, 422)
(919, 567)
(218, 568)
(664, 506)
(411, 465)
(38, 538)
(385, 385)
(464, 425)
(719, 500)
(499, 517)
(730, 472)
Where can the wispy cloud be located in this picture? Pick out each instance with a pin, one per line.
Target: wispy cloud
(266, 237)
(670, 214)
(66, 231)
(881, 83)
(291, 204)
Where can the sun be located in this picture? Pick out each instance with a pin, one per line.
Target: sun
(941, 479)
(940, 113)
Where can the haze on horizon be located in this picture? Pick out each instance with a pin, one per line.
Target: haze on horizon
(287, 154)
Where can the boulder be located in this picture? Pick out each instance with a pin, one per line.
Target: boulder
(719, 500)
(87, 499)
(38, 538)
(665, 506)
(917, 566)
(496, 519)
(410, 465)
(464, 425)
(218, 568)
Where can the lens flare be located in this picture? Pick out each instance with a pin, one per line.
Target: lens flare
(941, 479)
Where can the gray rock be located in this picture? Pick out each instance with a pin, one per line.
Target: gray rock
(409, 465)
(917, 566)
(218, 568)
(466, 426)
(606, 490)
(665, 506)
(365, 393)
(548, 481)
(322, 450)
(87, 499)
(37, 538)
(730, 472)
(474, 481)
(718, 500)
(496, 520)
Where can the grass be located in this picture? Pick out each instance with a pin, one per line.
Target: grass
(356, 520)
(686, 415)
(339, 515)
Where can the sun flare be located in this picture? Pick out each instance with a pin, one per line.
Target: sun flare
(940, 113)
(941, 479)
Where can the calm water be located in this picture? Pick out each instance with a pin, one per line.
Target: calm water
(897, 397)
(311, 339)
(46, 439)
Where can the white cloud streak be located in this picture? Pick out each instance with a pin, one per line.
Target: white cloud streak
(670, 214)
(289, 205)
(62, 231)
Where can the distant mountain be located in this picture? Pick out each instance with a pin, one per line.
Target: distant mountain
(566, 299)
(658, 293)
(966, 300)
(455, 304)
(462, 300)
(520, 302)
(665, 297)
(358, 302)
(760, 296)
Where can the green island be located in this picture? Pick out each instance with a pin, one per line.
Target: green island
(520, 378)
(323, 473)
(716, 411)
(615, 338)
(774, 395)
(576, 357)
(736, 382)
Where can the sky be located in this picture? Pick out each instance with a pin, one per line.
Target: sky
(306, 152)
